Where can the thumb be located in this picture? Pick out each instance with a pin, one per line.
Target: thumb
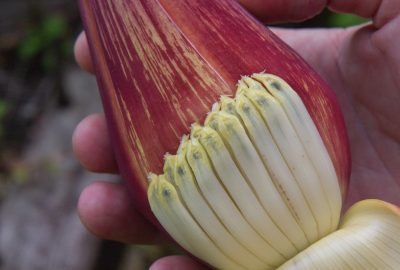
(272, 11)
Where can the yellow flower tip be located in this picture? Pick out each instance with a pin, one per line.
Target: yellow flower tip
(225, 100)
(242, 104)
(266, 77)
(167, 156)
(166, 190)
(209, 137)
(152, 189)
(169, 165)
(211, 120)
(194, 131)
(242, 78)
(262, 76)
(215, 107)
(228, 105)
(241, 85)
(182, 145)
(205, 134)
(254, 84)
(271, 82)
(224, 97)
(152, 177)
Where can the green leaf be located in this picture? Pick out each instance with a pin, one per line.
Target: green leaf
(54, 28)
(30, 47)
(344, 20)
(41, 36)
(49, 60)
(3, 108)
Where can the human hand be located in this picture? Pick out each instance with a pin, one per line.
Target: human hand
(362, 65)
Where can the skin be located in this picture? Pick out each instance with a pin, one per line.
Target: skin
(362, 65)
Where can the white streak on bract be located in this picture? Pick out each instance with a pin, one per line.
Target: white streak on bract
(134, 137)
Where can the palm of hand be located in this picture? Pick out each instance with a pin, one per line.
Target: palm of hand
(360, 65)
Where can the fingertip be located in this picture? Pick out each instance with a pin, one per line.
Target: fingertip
(285, 10)
(82, 53)
(177, 262)
(90, 209)
(106, 210)
(91, 145)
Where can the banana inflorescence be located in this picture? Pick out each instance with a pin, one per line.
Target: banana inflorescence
(252, 187)
(260, 184)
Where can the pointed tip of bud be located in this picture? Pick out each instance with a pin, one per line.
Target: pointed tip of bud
(261, 75)
(241, 85)
(194, 131)
(224, 98)
(210, 119)
(166, 190)
(152, 177)
(271, 82)
(182, 145)
(228, 105)
(169, 165)
(194, 150)
(166, 156)
(215, 107)
(185, 137)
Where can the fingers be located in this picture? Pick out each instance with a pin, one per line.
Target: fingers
(107, 211)
(91, 145)
(380, 11)
(297, 10)
(365, 9)
(177, 262)
(285, 10)
(82, 54)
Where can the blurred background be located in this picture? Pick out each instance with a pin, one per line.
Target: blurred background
(43, 96)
